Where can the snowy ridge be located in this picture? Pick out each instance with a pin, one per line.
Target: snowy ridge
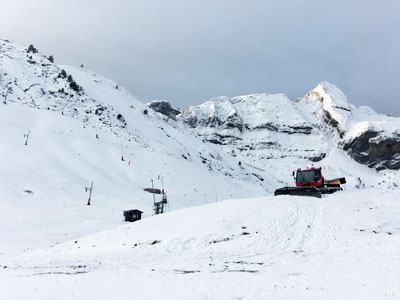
(305, 129)
(387, 126)
(254, 110)
(334, 103)
(351, 121)
(254, 125)
(32, 79)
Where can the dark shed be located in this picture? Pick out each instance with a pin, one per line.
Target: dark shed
(132, 215)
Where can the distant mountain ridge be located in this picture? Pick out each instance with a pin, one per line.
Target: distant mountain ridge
(255, 121)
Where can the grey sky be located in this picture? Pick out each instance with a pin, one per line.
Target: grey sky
(189, 51)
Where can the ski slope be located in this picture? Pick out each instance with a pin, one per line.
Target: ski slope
(341, 246)
(43, 198)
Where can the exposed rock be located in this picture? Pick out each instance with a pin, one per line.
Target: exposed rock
(375, 150)
(122, 120)
(99, 110)
(221, 139)
(233, 121)
(32, 49)
(164, 107)
(266, 145)
(318, 157)
(259, 177)
(332, 122)
(296, 129)
(212, 121)
(268, 126)
(190, 119)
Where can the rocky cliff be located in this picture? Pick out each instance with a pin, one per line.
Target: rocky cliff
(273, 126)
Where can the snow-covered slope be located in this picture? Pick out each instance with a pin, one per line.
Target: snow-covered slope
(63, 154)
(338, 247)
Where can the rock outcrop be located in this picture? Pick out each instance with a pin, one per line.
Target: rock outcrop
(376, 151)
(164, 107)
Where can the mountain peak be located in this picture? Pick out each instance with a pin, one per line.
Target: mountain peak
(334, 106)
(332, 95)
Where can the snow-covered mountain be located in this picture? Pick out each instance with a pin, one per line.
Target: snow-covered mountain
(63, 154)
(83, 127)
(369, 138)
(271, 126)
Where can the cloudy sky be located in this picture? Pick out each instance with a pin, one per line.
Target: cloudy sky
(189, 51)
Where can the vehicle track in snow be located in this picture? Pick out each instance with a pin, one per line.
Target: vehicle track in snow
(303, 228)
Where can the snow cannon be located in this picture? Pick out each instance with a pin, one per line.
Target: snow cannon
(310, 182)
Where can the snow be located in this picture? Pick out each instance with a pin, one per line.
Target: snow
(63, 156)
(269, 247)
(255, 109)
(333, 101)
(224, 236)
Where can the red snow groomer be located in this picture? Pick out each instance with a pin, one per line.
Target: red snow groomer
(310, 182)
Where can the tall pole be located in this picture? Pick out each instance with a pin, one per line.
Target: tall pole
(90, 193)
(154, 197)
(27, 137)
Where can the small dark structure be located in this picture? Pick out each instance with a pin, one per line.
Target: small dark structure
(132, 215)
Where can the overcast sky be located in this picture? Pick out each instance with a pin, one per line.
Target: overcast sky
(189, 51)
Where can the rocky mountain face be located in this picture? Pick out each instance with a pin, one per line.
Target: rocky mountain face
(255, 123)
(375, 150)
(368, 137)
(265, 126)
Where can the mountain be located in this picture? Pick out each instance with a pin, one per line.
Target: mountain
(268, 125)
(63, 127)
(368, 137)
